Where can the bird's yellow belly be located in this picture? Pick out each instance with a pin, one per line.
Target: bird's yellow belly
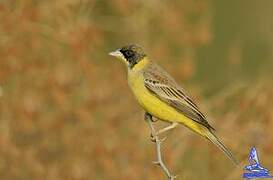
(157, 108)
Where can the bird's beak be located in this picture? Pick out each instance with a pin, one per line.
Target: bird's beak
(116, 53)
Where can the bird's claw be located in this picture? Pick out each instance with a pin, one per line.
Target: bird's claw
(153, 139)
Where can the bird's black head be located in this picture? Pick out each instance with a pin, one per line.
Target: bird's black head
(131, 54)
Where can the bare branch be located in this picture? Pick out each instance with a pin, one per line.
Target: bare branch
(158, 142)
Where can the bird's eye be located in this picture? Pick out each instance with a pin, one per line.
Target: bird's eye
(129, 53)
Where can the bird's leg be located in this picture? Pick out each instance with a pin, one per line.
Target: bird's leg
(172, 126)
(148, 117)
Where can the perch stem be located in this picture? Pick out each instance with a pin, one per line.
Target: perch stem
(158, 142)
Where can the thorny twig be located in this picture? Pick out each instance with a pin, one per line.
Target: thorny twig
(158, 142)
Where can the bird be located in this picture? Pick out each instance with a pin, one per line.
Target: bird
(161, 97)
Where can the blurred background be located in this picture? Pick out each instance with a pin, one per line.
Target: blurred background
(66, 111)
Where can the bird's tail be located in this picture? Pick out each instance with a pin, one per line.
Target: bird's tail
(215, 140)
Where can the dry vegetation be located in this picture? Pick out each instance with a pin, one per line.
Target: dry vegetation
(66, 111)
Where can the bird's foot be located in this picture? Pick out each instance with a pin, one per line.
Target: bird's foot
(153, 138)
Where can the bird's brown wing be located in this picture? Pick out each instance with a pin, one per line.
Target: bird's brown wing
(163, 86)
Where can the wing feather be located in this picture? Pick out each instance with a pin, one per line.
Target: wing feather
(169, 92)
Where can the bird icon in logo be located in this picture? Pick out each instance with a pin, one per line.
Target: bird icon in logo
(254, 169)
